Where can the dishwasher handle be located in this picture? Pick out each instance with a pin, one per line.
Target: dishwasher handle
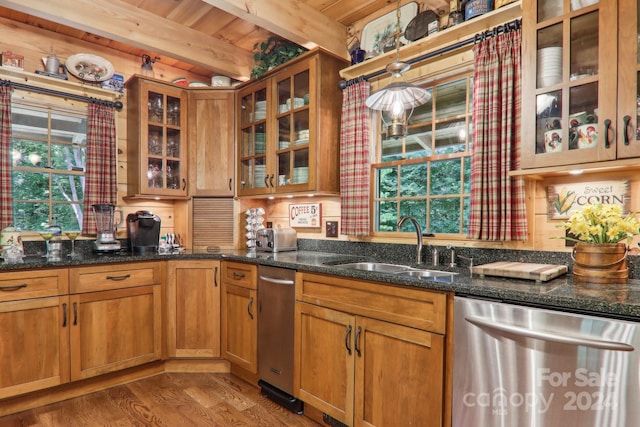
(277, 281)
(549, 336)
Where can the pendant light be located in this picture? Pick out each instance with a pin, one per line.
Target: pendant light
(399, 95)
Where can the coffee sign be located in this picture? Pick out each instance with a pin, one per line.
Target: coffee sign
(306, 215)
(564, 199)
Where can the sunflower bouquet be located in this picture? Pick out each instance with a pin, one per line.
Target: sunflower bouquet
(601, 224)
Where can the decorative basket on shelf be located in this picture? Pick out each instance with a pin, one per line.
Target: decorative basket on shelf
(600, 254)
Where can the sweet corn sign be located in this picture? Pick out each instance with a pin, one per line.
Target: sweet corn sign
(564, 199)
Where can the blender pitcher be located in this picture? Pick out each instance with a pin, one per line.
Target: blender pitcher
(104, 214)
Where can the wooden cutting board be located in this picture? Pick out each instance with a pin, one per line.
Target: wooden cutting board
(521, 270)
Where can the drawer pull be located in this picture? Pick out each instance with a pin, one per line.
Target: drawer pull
(123, 277)
(75, 314)
(64, 315)
(347, 336)
(215, 276)
(13, 288)
(607, 126)
(238, 275)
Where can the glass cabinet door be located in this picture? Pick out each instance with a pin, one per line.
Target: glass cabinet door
(165, 140)
(575, 82)
(293, 96)
(253, 140)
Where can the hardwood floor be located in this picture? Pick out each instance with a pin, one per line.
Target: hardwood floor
(170, 399)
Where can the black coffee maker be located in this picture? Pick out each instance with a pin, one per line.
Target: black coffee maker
(143, 228)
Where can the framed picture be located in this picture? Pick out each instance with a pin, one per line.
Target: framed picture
(11, 60)
(115, 83)
(381, 31)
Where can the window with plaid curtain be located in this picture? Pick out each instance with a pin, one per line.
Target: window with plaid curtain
(355, 160)
(498, 209)
(6, 200)
(101, 174)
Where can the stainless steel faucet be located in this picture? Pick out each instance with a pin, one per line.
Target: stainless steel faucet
(453, 256)
(418, 234)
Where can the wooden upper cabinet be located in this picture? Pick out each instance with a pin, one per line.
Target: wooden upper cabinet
(580, 82)
(289, 128)
(211, 142)
(157, 139)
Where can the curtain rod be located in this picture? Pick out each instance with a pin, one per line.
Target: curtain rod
(504, 28)
(111, 104)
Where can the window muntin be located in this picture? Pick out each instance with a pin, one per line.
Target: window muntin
(49, 155)
(427, 173)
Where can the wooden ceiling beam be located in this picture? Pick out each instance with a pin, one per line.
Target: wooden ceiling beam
(124, 23)
(292, 20)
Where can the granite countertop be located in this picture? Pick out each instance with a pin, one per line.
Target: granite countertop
(617, 300)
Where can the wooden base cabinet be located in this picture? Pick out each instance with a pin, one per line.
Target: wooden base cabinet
(34, 331)
(240, 315)
(34, 345)
(193, 309)
(116, 328)
(365, 371)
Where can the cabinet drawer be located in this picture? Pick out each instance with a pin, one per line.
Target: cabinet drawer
(118, 276)
(33, 284)
(240, 274)
(417, 308)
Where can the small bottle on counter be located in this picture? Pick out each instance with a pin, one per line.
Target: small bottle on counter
(55, 244)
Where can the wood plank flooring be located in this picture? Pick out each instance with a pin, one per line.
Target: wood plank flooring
(169, 399)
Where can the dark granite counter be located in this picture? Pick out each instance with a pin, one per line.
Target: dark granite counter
(619, 300)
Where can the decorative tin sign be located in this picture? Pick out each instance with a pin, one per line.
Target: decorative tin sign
(307, 215)
(564, 199)
(473, 8)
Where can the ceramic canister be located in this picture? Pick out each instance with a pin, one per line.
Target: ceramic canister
(10, 236)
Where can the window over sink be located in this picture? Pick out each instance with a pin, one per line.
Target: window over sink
(427, 173)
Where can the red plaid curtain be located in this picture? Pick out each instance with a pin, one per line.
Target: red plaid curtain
(6, 196)
(355, 161)
(498, 210)
(100, 176)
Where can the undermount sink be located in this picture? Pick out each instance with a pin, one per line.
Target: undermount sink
(427, 273)
(379, 267)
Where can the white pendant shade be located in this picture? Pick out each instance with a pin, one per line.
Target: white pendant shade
(407, 95)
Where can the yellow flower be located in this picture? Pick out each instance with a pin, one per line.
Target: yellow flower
(602, 223)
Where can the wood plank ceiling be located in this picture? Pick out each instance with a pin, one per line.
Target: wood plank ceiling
(205, 37)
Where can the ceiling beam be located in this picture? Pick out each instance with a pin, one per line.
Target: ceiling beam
(291, 19)
(116, 20)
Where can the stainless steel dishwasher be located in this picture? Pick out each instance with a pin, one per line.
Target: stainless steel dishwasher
(276, 316)
(532, 367)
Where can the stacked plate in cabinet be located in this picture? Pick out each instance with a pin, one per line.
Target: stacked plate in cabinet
(261, 141)
(549, 66)
(303, 137)
(300, 174)
(260, 174)
(261, 110)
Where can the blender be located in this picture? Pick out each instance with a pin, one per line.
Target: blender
(104, 214)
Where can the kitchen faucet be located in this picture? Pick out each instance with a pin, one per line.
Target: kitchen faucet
(418, 234)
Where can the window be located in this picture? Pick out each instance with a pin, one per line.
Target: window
(427, 173)
(49, 154)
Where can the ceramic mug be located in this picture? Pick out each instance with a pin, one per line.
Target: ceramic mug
(577, 119)
(585, 136)
(553, 141)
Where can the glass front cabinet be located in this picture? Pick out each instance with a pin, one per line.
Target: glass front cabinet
(282, 145)
(580, 73)
(157, 139)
